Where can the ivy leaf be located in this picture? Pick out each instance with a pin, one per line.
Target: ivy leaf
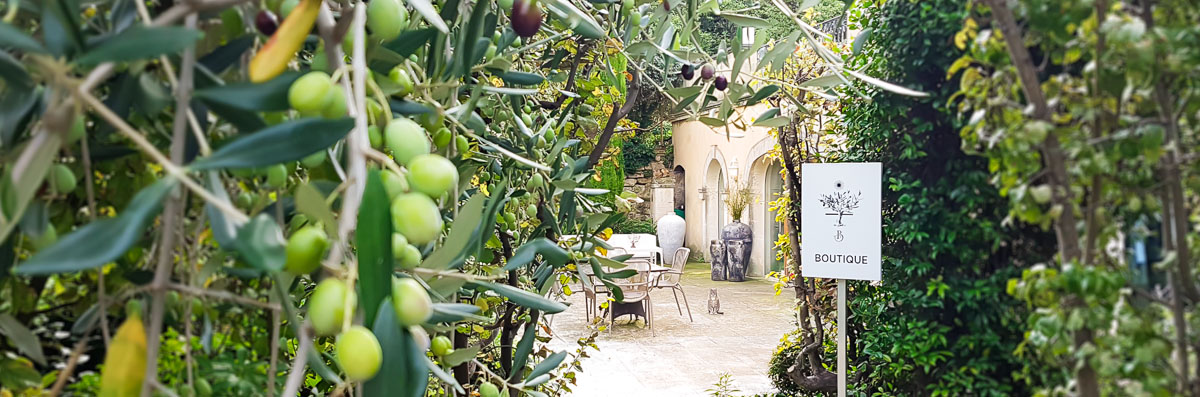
(268, 96)
(289, 141)
(13, 38)
(403, 372)
(522, 297)
(101, 241)
(141, 42)
(373, 237)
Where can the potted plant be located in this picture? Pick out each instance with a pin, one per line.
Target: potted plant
(737, 236)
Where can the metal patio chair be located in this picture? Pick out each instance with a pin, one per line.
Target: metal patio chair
(670, 279)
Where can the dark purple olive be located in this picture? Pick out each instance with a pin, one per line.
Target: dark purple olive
(526, 18)
(266, 22)
(721, 83)
(667, 5)
(687, 72)
(707, 71)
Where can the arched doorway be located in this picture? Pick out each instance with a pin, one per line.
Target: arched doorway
(772, 189)
(680, 191)
(714, 208)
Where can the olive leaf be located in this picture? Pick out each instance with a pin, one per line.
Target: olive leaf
(289, 141)
(268, 96)
(373, 237)
(522, 297)
(101, 241)
(141, 42)
(403, 372)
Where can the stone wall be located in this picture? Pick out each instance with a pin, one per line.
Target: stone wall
(644, 183)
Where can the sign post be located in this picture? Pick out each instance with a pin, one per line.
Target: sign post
(841, 231)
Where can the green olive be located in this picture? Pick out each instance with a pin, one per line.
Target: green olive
(203, 388)
(411, 302)
(406, 139)
(398, 245)
(461, 143)
(78, 130)
(61, 179)
(305, 248)
(400, 76)
(411, 258)
(245, 199)
(337, 106)
(312, 93)
(48, 238)
(488, 390)
(535, 183)
(417, 217)
(432, 174)
(327, 306)
(531, 211)
(394, 184)
(432, 121)
(314, 160)
(358, 352)
(441, 346)
(375, 137)
(277, 176)
(286, 8)
(505, 4)
(386, 18)
(442, 138)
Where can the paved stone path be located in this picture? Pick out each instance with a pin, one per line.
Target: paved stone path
(685, 358)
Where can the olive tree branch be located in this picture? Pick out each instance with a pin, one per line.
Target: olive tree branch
(617, 115)
(171, 217)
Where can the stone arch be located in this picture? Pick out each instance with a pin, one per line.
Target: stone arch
(714, 186)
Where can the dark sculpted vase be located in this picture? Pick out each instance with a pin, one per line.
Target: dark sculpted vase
(717, 249)
(737, 237)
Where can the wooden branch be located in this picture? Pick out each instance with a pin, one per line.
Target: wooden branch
(172, 217)
(617, 114)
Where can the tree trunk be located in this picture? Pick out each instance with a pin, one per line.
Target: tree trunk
(1066, 229)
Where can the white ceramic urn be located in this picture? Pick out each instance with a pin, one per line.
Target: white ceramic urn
(670, 235)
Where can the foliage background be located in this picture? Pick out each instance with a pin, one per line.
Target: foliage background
(942, 323)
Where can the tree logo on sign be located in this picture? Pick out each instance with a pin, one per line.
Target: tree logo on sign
(840, 204)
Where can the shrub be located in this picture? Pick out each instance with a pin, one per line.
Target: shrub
(785, 355)
(636, 226)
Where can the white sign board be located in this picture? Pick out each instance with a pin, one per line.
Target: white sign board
(840, 224)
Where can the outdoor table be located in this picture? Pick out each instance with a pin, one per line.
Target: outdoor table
(655, 253)
(619, 308)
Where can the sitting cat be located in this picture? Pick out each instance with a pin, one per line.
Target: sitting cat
(714, 303)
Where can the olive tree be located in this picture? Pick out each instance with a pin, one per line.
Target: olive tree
(340, 197)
